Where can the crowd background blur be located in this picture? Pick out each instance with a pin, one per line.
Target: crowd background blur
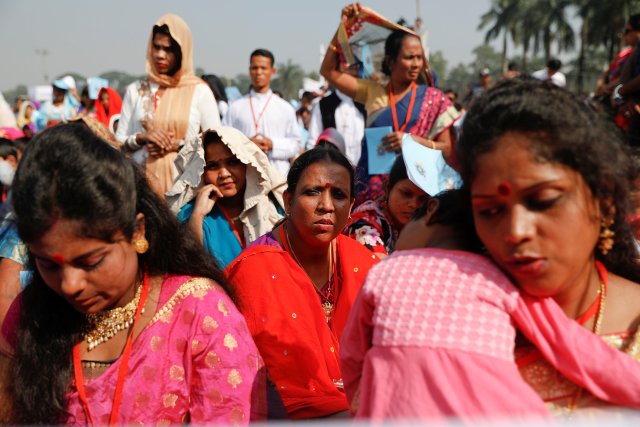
(289, 186)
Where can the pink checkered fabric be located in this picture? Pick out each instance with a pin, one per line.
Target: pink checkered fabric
(442, 299)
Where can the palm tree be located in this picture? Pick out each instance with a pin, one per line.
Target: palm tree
(601, 21)
(553, 26)
(502, 19)
(288, 79)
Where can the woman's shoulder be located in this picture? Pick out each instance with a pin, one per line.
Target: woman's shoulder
(350, 247)
(260, 253)
(176, 288)
(194, 297)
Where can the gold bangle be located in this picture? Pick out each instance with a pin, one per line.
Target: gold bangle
(333, 47)
(433, 144)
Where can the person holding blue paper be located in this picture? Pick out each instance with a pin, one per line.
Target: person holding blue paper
(407, 102)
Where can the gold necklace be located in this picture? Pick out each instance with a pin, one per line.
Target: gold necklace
(327, 306)
(597, 323)
(106, 324)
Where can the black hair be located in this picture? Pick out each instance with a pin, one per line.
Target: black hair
(634, 22)
(397, 173)
(21, 143)
(392, 47)
(565, 131)
(211, 137)
(316, 155)
(554, 64)
(453, 210)
(265, 53)
(216, 85)
(68, 173)
(7, 148)
(175, 47)
(512, 66)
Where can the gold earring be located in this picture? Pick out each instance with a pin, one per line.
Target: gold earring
(141, 245)
(605, 244)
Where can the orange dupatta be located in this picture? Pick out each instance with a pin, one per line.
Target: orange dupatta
(173, 112)
(286, 320)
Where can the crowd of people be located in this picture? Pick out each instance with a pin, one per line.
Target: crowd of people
(170, 256)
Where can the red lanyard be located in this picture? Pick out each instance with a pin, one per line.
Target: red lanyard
(394, 113)
(256, 122)
(233, 227)
(122, 371)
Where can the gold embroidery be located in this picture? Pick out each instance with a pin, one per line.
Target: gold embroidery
(142, 399)
(222, 307)
(215, 397)
(156, 343)
(199, 293)
(234, 378)
(209, 324)
(186, 289)
(176, 373)
(557, 390)
(169, 400)
(252, 362)
(230, 342)
(164, 315)
(163, 422)
(212, 359)
(236, 416)
(195, 346)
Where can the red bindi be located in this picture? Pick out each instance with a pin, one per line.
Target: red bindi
(59, 259)
(504, 189)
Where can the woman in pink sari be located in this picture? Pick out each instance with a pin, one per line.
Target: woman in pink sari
(442, 344)
(112, 330)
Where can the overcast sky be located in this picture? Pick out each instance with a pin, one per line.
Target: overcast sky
(91, 37)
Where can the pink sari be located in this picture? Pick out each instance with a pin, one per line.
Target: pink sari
(194, 362)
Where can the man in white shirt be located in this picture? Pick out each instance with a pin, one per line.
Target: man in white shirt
(266, 119)
(337, 110)
(552, 72)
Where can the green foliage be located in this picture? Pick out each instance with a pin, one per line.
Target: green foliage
(242, 82)
(288, 79)
(438, 63)
(11, 95)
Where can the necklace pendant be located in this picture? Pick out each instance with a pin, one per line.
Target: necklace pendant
(327, 307)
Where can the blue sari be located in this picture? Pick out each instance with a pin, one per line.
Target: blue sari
(218, 237)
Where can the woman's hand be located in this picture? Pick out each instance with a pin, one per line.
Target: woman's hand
(351, 10)
(205, 200)
(159, 137)
(393, 141)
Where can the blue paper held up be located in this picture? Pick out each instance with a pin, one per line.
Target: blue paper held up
(427, 168)
(380, 161)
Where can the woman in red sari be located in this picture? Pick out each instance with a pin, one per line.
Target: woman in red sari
(296, 285)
